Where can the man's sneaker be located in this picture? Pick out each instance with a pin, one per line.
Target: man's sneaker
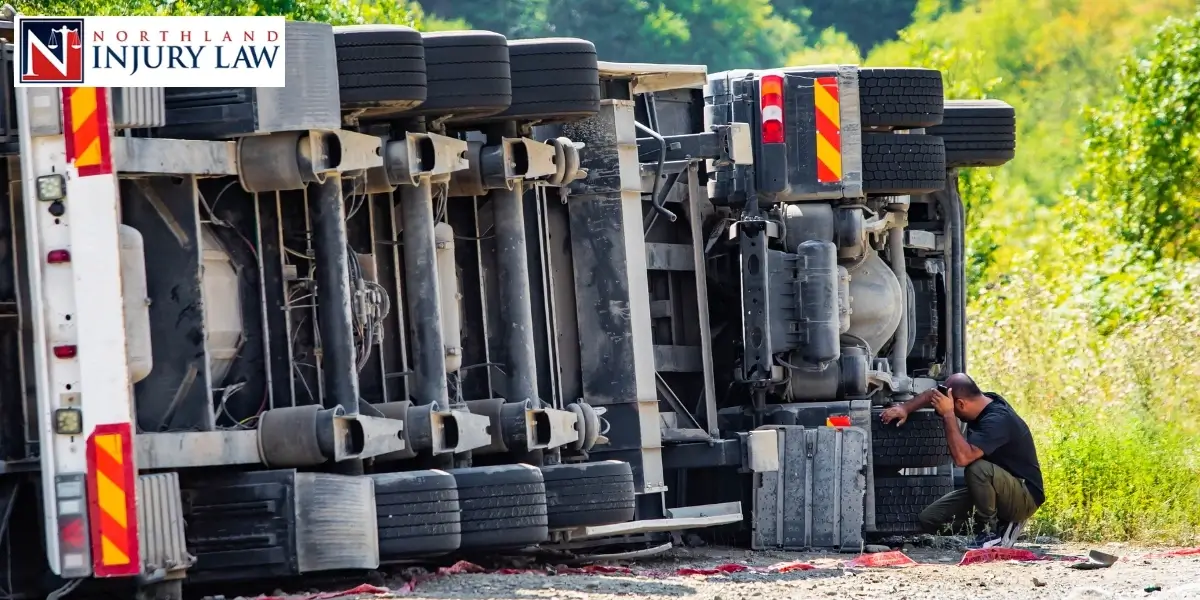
(986, 539)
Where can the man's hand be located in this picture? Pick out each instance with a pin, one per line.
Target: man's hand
(897, 413)
(943, 404)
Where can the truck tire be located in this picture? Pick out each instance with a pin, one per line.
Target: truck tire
(553, 80)
(380, 67)
(978, 133)
(898, 164)
(900, 98)
(899, 500)
(418, 514)
(468, 74)
(502, 507)
(919, 442)
(581, 495)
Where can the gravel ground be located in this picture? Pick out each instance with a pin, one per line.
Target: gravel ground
(939, 577)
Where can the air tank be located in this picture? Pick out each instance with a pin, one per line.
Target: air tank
(448, 296)
(138, 346)
(818, 298)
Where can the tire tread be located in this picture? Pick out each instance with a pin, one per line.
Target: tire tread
(899, 164)
(900, 97)
(920, 442)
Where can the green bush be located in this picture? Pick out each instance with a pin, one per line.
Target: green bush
(1114, 415)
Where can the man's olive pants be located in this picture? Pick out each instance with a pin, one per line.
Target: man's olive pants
(991, 494)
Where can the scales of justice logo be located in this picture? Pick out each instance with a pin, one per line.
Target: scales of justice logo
(51, 50)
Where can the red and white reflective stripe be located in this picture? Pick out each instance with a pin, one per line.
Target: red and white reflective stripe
(112, 501)
(770, 92)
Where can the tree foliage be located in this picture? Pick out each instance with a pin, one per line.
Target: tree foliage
(337, 12)
(1052, 60)
(830, 47)
(865, 22)
(722, 34)
(1142, 159)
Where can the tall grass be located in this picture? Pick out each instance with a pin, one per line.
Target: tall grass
(1116, 417)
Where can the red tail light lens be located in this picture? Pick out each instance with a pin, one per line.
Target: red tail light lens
(838, 421)
(772, 132)
(770, 89)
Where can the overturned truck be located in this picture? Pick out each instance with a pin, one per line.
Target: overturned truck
(450, 293)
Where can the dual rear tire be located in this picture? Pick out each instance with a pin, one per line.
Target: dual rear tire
(896, 164)
(418, 514)
(978, 133)
(381, 68)
(391, 71)
(589, 494)
(432, 513)
(502, 507)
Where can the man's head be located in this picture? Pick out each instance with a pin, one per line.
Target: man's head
(969, 400)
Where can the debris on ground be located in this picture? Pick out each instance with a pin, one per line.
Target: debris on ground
(790, 566)
(984, 555)
(365, 589)
(717, 570)
(1096, 560)
(735, 574)
(894, 558)
(1176, 552)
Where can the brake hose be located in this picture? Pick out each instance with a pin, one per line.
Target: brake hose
(658, 172)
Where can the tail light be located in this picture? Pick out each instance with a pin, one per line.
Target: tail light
(58, 257)
(72, 526)
(770, 91)
(838, 421)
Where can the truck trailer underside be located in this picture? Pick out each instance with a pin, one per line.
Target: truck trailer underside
(451, 293)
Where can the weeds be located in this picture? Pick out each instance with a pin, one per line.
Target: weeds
(1115, 416)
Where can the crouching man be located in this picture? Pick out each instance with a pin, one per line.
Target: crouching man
(1003, 477)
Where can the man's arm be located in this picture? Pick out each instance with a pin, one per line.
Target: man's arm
(901, 412)
(922, 400)
(988, 435)
(961, 450)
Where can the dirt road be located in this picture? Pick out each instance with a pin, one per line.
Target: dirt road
(938, 576)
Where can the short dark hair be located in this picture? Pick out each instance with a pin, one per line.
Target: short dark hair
(963, 386)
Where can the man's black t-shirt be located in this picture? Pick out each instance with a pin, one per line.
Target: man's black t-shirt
(1007, 443)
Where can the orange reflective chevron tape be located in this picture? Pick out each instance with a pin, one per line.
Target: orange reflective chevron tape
(829, 130)
(112, 494)
(87, 130)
